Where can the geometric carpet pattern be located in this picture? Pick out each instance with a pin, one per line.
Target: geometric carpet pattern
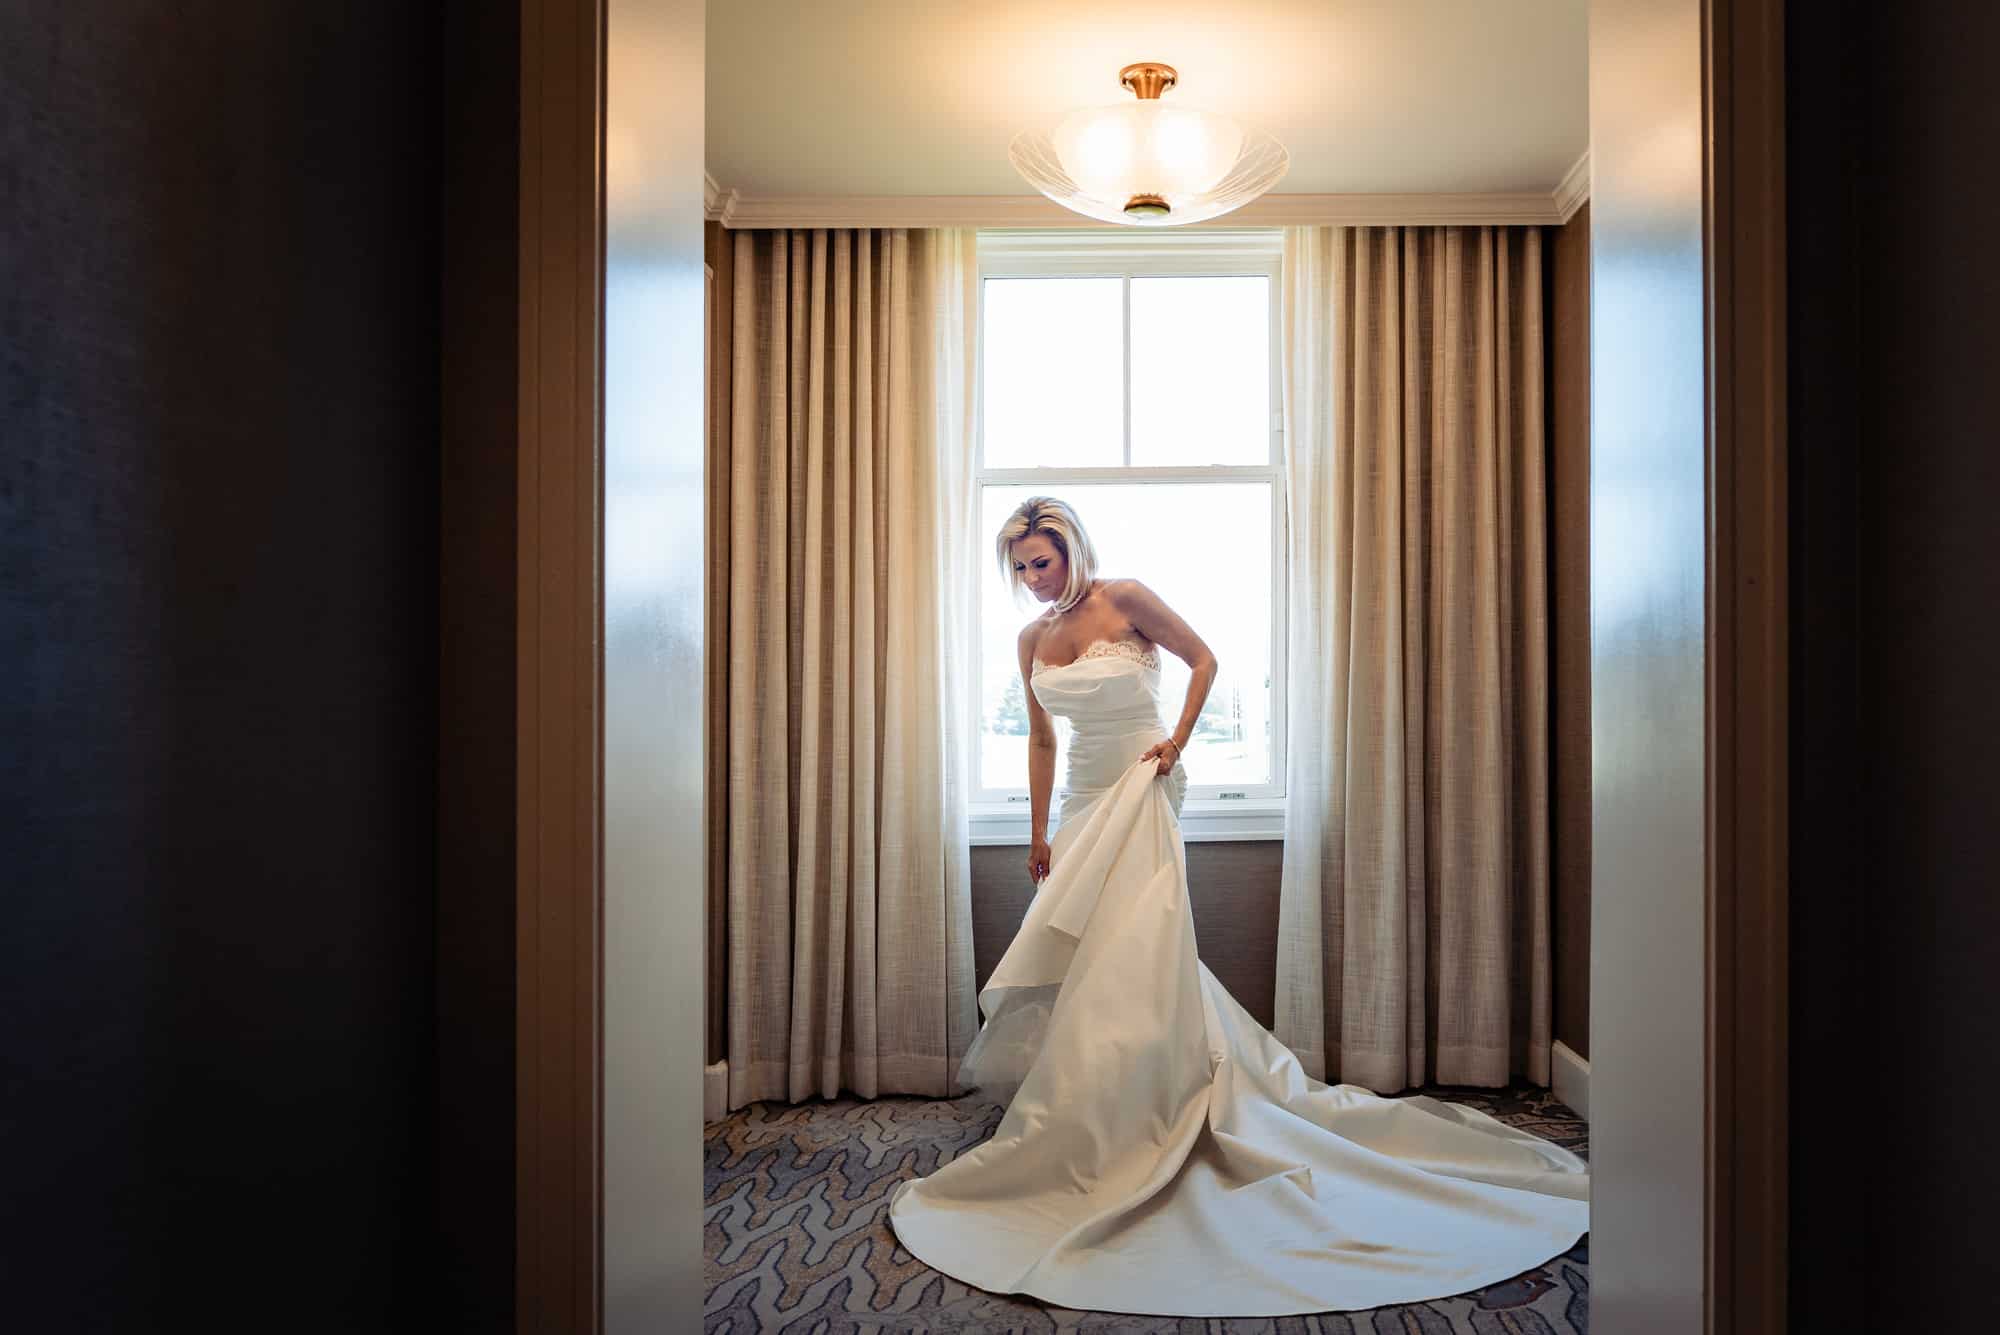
(797, 1237)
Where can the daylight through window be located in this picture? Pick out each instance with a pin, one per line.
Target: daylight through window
(1137, 378)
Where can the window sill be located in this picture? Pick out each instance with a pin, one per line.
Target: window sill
(1203, 821)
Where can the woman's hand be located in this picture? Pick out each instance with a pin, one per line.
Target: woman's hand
(1038, 859)
(1168, 753)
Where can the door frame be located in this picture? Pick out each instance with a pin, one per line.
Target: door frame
(560, 887)
(1748, 912)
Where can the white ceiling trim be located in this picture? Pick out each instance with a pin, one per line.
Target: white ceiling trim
(1522, 209)
(1573, 189)
(717, 203)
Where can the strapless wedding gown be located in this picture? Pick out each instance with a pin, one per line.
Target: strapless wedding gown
(1161, 1152)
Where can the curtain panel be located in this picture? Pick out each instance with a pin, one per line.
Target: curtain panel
(841, 483)
(1413, 939)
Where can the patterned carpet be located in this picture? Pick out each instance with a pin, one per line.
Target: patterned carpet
(797, 1233)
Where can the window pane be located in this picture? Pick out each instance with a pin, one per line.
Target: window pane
(1201, 371)
(1205, 548)
(1054, 371)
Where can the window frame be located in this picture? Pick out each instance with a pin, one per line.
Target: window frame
(1212, 812)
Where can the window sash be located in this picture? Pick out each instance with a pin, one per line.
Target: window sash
(1217, 811)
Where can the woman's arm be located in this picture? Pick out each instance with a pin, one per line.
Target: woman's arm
(1163, 626)
(1041, 756)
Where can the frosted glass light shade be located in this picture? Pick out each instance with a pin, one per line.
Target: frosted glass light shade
(1146, 148)
(1197, 165)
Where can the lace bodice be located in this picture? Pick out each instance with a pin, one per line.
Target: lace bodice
(1147, 656)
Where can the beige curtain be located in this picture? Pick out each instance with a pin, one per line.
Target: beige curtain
(843, 876)
(1413, 939)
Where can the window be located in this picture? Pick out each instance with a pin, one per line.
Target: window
(1137, 377)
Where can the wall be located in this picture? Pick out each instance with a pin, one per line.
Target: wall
(479, 453)
(219, 396)
(1567, 276)
(1233, 888)
(1894, 329)
(1648, 588)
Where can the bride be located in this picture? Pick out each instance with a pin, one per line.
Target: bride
(1161, 1152)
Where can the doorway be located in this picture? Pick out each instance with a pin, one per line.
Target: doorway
(1688, 1209)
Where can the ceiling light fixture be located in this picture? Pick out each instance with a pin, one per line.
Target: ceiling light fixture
(1147, 163)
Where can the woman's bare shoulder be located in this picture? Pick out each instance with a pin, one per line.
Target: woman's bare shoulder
(1031, 634)
(1128, 593)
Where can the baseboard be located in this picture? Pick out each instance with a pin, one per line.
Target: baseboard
(715, 1091)
(1572, 1079)
(1571, 1073)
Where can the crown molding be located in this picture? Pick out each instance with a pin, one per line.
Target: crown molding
(902, 211)
(1573, 191)
(718, 205)
(1523, 209)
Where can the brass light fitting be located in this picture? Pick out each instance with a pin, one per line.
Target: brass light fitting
(1146, 80)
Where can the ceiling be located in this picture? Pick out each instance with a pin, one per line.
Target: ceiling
(875, 98)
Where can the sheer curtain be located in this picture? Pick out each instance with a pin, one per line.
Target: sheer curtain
(844, 877)
(1413, 940)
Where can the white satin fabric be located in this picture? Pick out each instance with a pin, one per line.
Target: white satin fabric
(1161, 1152)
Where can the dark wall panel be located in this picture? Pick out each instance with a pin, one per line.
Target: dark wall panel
(1233, 888)
(1568, 278)
(218, 611)
(719, 260)
(476, 643)
(1830, 981)
(1895, 463)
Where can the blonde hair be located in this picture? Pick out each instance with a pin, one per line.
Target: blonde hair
(1056, 521)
